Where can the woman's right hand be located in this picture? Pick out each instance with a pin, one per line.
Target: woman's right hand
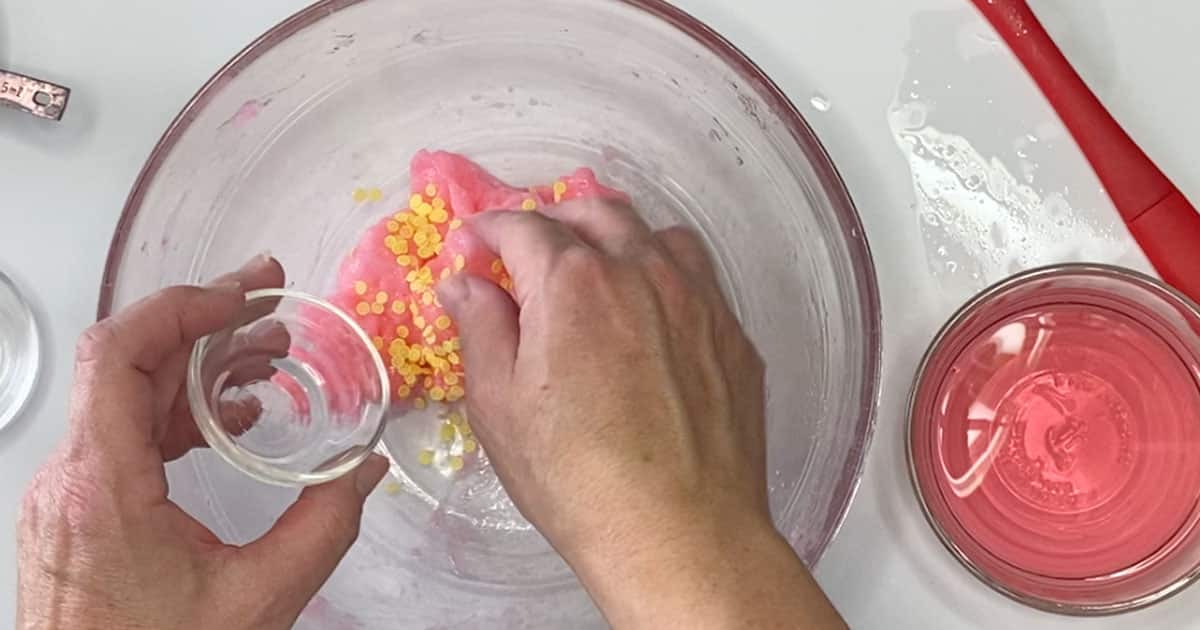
(622, 406)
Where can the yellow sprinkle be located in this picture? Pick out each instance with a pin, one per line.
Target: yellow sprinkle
(456, 463)
(377, 309)
(419, 221)
(427, 298)
(398, 307)
(415, 202)
(455, 418)
(360, 287)
(403, 391)
(420, 238)
(426, 253)
(560, 189)
(381, 297)
(451, 378)
(404, 260)
(359, 195)
(466, 430)
(419, 322)
(424, 210)
(420, 403)
(460, 262)
(455, 224)
(401, 247)
(392, 488)
(406, 232)
(431, 190)
(439, 216)
(453, 358)
(447, 432)
(374, 194)
(469, 445)
(497, 266)
(442, 322)
(456, 393)
(402, 331)
(438, 203)
(425, 457)
(393, 227)
(363, 308)
(378, 342)
(529, 204)
(410, 380)
(506, 284)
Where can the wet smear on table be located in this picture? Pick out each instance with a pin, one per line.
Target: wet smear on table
(997, 182)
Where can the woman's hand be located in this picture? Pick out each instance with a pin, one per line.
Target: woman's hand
(101, 545)
(622, 406)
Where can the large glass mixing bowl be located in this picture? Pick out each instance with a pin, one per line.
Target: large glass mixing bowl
(339, 97)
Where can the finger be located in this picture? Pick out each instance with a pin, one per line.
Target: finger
(610, 227)
(182, 435)
(487, 324)
(260, 272)
(527, 242)
(178, 434)
(688, 251)
(113, 409)
(306, 544)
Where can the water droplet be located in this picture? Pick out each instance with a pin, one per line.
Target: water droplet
(1031, 138)
(951, 266)
(1022, 154)
(974, 182)
(942, 251)
(820, 103)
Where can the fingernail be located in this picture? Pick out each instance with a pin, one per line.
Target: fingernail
(257, 263)
(369, 474)
(454, 290)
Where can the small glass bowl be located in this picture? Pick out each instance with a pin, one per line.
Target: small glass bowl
(1052, 435)
(293, 393)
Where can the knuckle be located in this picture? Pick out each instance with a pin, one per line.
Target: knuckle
(667, 277)
(96, 340)
(580, 264)
(680, 236)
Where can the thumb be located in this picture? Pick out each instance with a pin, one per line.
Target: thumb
(306, 544)
(487, 324)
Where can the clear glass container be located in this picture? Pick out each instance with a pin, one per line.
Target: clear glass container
(1053, 435)
(293, 393)
(339, 97)
(20, 351)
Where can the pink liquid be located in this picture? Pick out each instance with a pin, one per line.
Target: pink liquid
(1061, 443)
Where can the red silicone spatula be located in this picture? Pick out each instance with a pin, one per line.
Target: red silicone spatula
(1165, 225)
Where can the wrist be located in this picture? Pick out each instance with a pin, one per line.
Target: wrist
(651, 575)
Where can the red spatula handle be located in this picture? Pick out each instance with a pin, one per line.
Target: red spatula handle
(1165, 225)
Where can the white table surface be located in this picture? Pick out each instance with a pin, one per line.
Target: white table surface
(134, 63)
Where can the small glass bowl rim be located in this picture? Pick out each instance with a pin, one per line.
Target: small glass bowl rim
(1130, 277)
(218, 439)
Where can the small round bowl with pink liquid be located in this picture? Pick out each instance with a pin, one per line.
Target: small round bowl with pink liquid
(1052, 436)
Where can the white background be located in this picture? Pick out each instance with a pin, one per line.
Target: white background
(134, 63)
